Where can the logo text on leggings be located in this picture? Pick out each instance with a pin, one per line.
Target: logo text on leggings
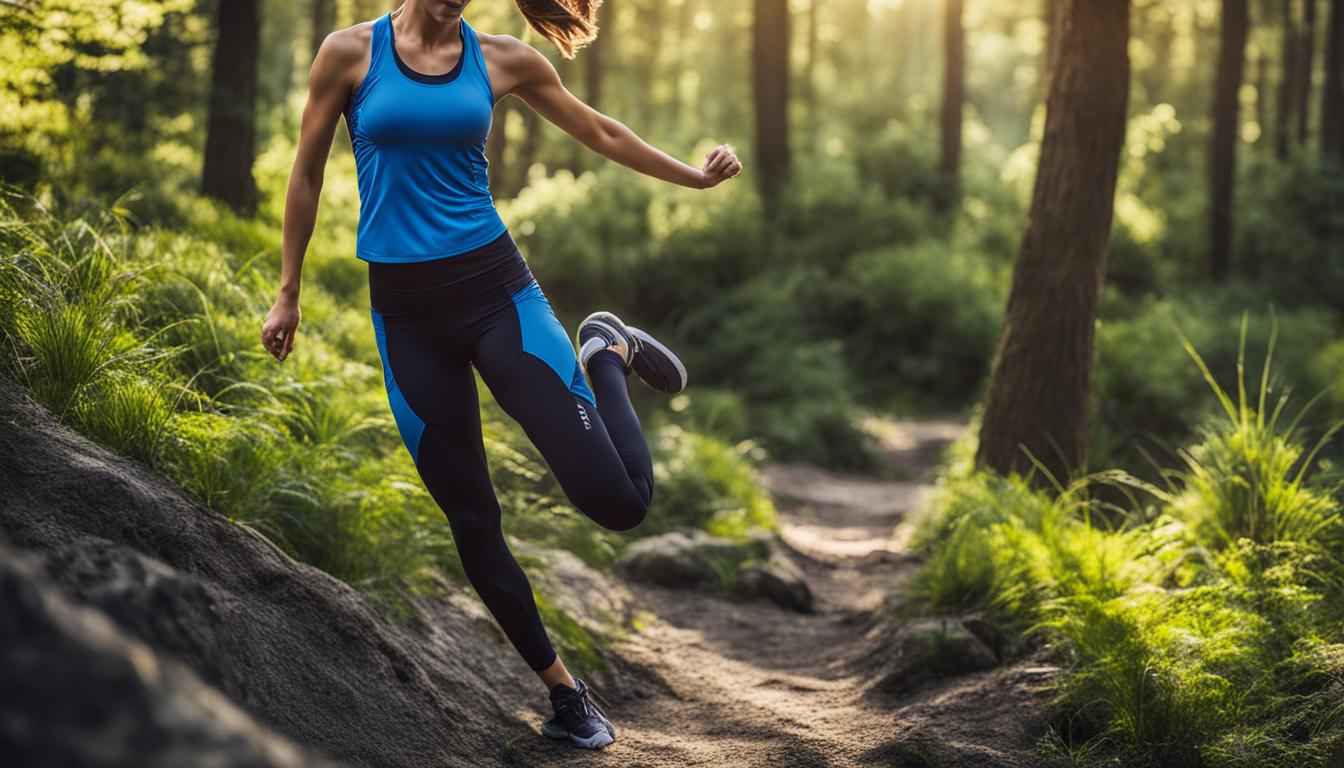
(583, 414)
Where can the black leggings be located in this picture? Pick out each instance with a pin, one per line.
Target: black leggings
(434, 320)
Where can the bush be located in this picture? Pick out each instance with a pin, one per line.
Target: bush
(929, 320)
(795, 387)
(1202, 628)
(705, 483)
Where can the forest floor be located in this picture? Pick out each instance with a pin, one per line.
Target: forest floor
(750, 684)
(113, 574)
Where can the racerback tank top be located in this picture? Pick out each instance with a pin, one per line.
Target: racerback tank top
(419, 145)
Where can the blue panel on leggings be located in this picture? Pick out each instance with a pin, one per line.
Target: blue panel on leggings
(410, 425)
(545, 338)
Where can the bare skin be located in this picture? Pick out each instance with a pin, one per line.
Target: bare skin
(429, 41)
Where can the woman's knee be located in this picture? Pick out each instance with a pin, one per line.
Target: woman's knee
(611, 506)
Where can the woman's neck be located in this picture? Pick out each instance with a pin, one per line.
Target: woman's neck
(431, 24)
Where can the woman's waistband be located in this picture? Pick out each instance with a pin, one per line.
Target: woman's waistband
(495, 266)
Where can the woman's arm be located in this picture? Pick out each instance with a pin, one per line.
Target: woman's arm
(523, 71)
(328, 87)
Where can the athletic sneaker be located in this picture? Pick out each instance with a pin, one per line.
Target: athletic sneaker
(603, 330)
(577, 718)
(656, 365)
(651, 360)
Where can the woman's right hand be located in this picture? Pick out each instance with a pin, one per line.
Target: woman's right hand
(277, 333)
(720, 165)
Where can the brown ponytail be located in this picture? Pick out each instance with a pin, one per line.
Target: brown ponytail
(570, 24)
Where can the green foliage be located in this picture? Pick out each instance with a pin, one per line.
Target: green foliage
(572, 640)
(929, 314)
(145, 339)
(1291, 226)
(1200, 629)
(1145, 401)
(703, 482)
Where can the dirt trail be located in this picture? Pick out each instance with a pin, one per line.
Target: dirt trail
(749, 684)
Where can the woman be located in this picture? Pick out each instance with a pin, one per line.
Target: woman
(449, 289)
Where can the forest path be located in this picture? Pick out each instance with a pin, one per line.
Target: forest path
(750, 684)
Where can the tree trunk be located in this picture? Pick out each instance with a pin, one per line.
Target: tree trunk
(495, 145)
(1283, 122)
(231, 134)
(770, 76)
(810, 75)
(527, 153)
(1261, 88)
(954, 93)
(1040, 389)
(1332, 100)
(1050, 14)
(595, 58)
(1226, 130)
(1306, 63)
(324, 19)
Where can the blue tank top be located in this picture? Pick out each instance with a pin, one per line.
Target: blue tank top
(419, 144)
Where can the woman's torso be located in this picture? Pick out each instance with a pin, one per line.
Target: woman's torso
(419, 145)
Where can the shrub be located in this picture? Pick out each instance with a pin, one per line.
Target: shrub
(703, 482)
(1201, 628)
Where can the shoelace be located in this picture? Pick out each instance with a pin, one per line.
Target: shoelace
(588, 690)
(578, 704)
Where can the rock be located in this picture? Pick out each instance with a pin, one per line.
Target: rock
(689, 559)
(779, 580)
(304, 655)
(933, 648)
(75, 690)
(589, 596)
(692, 559)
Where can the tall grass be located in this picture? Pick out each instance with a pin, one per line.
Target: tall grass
(1245, 479)
(1203, 625)
(145, 339)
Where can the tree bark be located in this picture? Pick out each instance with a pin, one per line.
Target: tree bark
(527, 153)
(1261, 88)
(595, 58)
(770, 77)
(810, 75)
(231, 134)
(324, 20)
(1226, 130)
(1040, 389)
(1050, 13)
(954, 94)
(1332, 100)
(1283, 122)
(1306, 63)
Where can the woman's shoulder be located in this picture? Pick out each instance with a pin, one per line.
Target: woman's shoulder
(350, 42)
(505, 50)
(345, 53)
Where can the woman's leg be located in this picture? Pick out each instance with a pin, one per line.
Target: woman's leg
(433, 396)
(593, 444)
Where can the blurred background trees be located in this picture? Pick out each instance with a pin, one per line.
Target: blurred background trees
(864, 261)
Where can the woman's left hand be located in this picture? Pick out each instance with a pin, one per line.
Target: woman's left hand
(720, 165)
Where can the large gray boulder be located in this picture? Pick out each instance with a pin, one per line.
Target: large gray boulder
(75, 690)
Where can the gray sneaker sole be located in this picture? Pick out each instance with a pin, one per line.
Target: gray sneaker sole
(596, 741)
(657, 376)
